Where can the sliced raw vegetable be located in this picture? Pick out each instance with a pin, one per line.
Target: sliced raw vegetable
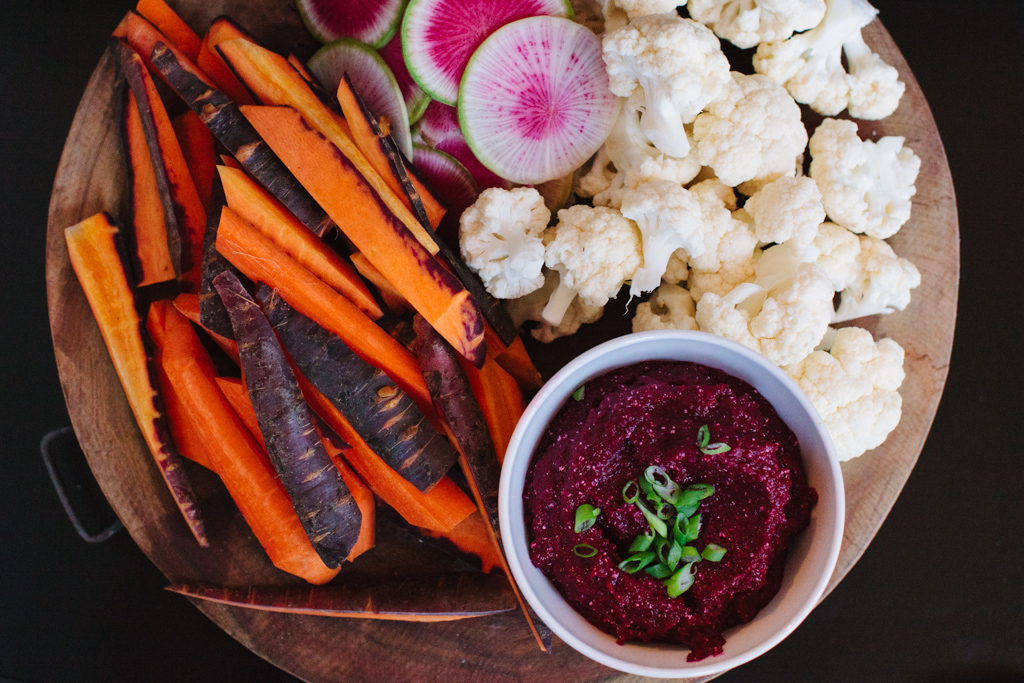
(167, 21)
(242, 464)
(471, 537)
(325, 506)
(394, 300)
(96, 259)
(500, 400)
(416, 100)
(301, 68)
(534, 103)
(454, 184)
(212, 314)
(373, 22)
(222, 117)
(263, 261)
(440, 36)
(276, 82)
(434, 292)
(384, 416)
(371, 78)
(183, 209)
(254, 204)
(209, 60)
(439, 128)
(149, 248)
(516, 361)
(188, 306)
(444, 597)
(186, 438)
(197, 144)
(466, 426)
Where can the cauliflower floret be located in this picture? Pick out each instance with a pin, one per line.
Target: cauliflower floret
(854, 389)
(810, 65)
(670, 308)
(722, 281)
(782, 314)
(881, 284)
(678, 65)
(628, 158)
(669, 218)
(595, 250)
(837, 249)
(727, 239)
(635, 9)
(752, 132)
(787, 210)
(531, 307)
(500, 239)
(865, 186)
(745, 23)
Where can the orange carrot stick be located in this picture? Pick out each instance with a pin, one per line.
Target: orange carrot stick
(266, 214)
(143, 37)
(197, 145)
(188, 306)
(263, 261)
(357, 209)
(210, 61)
(242, 465)
(171, 25)
(500, 399)
(186, 438)
(471, 536)
(388, 293)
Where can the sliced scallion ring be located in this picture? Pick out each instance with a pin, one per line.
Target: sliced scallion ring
(689, 554)
(680, 582)
(679, 529)
(716, 448)
(655, 523)
(665, 511)
(713, 552)
(659, 571)
(642, 542)
(636, 562)
(649, 493)
(586, 515)
(693, 527)
(663, 484)
(701, 491)
(674, 556)
(578, 394)
(631, 492)
(703, 436)
(584, 550)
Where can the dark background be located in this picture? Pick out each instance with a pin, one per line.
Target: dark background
(937, 597)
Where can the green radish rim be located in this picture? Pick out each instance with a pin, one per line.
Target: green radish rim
(432, 89)
(373, 41)
(463, 107)
(398, 114)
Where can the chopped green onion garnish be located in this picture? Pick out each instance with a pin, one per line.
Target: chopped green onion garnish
(666, 511)
(659, 571)
(586, 515)
(636, 562)
(631, 492)
(657, 524)
(703, 436)
(702, 491)
(680, 582)
(713, 553)
(661, 546)
(578, 394)
(679, 529)
(584, 550)
(663, 484)
(715, 448)
(674, 555)
(649, 493)
(693, 527)
(642, 542)
(689, 554)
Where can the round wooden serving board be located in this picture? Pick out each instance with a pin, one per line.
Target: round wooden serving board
(91, 178)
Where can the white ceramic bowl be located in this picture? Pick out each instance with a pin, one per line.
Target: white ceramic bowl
(812, 555)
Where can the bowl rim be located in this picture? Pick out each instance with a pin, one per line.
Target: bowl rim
(554, 389)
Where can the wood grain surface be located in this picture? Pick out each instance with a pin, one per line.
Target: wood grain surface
(91, 178)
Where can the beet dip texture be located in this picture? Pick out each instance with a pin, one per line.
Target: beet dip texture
(650, 414)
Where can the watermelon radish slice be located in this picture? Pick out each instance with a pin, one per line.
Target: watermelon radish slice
(373, 22)
(439, 36)
(372, 80)
(534, 102)
(439, 128)
(416, 100)
(452, 183)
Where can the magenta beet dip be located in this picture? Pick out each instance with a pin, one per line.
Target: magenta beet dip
(650, 414)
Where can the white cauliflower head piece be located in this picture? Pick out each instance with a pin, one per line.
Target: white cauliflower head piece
(866, 186)
(810, 65)
(595, 250)
(753, 131)
(836, 250)
(745, 23)
(881, 284)
(728, 240)
(787, 210)
(678, 65)
(635, 9)
(531, 308)
(670, 308)
(854, 387)
(500, 239)
(782, 315)
(669, 218)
